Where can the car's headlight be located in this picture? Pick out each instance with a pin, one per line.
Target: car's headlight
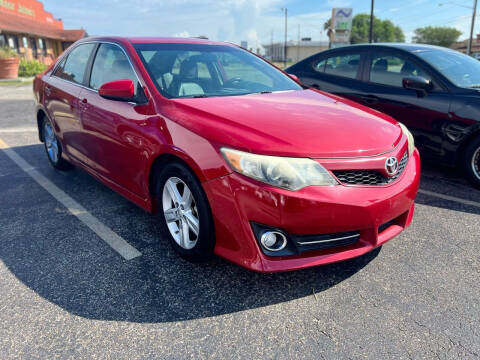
(411, 141)
(283, 172)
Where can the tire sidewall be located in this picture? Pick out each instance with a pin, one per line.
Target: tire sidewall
(203, 249)
(470, 151)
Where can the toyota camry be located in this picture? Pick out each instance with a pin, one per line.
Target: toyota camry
(235, 157)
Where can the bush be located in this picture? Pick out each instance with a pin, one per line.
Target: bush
(29, 68)
(6, 53)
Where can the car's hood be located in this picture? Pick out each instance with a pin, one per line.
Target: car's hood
(291, 123)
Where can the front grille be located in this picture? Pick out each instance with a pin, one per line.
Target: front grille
(369, 177)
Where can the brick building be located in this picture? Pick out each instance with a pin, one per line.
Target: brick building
(34, 33)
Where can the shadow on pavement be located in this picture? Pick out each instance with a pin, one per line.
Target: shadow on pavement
(60, 259)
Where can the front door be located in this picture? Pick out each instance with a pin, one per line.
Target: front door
(114, 128)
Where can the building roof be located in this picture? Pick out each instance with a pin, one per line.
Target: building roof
(23, 25)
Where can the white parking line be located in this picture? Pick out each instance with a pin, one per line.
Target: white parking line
(116, 242)
(18, 129)
(450, 198)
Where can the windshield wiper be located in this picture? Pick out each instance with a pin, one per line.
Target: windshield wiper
(200, 96)
(476, 86)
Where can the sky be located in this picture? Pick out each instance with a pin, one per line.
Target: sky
(256, 21)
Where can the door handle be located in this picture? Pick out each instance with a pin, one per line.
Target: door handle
(370, 99)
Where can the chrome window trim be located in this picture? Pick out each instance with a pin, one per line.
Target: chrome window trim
(93, 42)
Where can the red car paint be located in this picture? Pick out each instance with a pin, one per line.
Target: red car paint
(119, 143)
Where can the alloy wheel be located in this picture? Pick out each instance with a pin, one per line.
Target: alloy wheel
(181, 213)
(476, 163)
(51, 142)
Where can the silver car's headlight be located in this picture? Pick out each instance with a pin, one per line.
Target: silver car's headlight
(411, 141)
(283, 172)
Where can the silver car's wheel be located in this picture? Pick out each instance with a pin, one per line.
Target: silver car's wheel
(181, 213)
(51, 142)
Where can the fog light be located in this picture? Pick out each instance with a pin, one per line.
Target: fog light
(273, 240)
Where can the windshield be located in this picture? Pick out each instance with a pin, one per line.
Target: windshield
(201, 70)
(460, 69)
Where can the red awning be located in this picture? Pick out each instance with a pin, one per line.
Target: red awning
(22, 25)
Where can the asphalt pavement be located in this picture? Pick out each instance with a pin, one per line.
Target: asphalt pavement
(66, 294)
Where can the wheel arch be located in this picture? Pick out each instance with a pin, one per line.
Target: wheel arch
(41, 115)
(463, 146)
(159, 161)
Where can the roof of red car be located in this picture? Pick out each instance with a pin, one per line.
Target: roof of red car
(145, 40)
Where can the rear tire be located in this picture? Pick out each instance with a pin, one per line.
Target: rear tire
(53, 148)
(471, 162)
(185, 213)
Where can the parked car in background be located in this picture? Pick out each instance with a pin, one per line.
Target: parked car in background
(238, 158)
(434, 91)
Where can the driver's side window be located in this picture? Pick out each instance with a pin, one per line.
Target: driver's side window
(390, 69)
(111, 64)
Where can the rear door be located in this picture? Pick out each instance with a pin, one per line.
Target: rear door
(114, 128)
(424, 115)
(338, 72)
(62, 91)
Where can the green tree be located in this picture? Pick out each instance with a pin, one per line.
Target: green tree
(441, 36)
(383, 30)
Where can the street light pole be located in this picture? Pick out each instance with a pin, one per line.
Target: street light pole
(370, 34)
(469, 49)
(285, 10)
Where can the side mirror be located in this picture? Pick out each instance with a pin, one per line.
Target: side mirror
(421, 85)
(294, 77)
(121, 90)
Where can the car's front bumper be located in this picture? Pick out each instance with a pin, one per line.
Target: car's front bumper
(237, 201)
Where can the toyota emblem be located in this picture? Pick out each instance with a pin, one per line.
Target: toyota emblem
(391, 166)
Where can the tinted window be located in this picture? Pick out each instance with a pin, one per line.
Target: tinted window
(345, 65)
(391, 69)
(111, 64)
(75, 65)
(319, 66)
(198, 70)
(460, 69)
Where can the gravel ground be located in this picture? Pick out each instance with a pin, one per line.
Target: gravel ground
(66, 294)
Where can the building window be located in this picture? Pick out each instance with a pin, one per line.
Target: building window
(13, 42)
(25, 42)
(3, 42)
(43, 46)
(33, 45)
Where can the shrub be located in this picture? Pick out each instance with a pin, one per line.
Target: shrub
(29, 68)
(6, 53)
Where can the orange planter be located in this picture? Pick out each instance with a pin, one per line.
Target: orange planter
(9, 68)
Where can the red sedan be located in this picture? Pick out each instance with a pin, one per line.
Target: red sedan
(237, 157)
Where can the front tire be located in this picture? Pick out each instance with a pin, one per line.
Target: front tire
(471, 162)
(53, 148)
(185, 213)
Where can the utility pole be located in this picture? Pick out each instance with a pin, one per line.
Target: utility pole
(271, 46)
(370, 34)
(469, 49)
(298, 44)
(285, 10)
